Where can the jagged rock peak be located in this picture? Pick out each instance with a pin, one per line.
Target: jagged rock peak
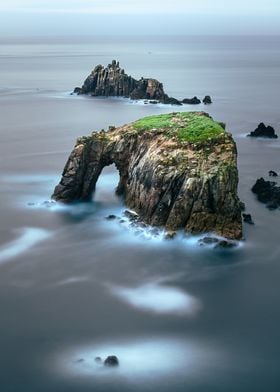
(177, 171)
(113, 81)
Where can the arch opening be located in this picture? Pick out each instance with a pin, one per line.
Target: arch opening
(109, 188)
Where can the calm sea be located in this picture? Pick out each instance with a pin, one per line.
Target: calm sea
(74, 285)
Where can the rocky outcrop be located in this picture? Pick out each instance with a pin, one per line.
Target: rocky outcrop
(112, 81)
(263, 131)
(207, 100)
(272, 173)
(247, 218)
(192, 101)
(177, 171)
(267, 192)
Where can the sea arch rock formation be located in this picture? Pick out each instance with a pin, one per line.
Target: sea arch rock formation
(177, 171)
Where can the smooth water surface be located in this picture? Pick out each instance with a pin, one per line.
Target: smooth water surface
(74, 285)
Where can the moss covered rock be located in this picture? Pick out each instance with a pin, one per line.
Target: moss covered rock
(177, 170)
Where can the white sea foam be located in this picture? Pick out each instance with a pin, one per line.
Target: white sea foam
(147, 358)
(158, 298)
(28, 238)
(72, 280)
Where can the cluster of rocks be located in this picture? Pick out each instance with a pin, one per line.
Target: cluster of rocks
(141, 228)
(218, 243)
(267, 192)
(110, 361)
(113, 81)
(264, 131)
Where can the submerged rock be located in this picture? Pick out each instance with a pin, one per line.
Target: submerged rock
(208, 241)
(267, 192)
(263, 131)
(177, 171)
(98, 360)
(111, 217)
(111, 361)
(217, 242)
(224, 244)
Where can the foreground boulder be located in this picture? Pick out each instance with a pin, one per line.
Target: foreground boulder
(263, 131)
(267, 192)
(177, 171)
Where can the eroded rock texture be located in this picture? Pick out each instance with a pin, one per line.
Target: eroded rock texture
(178, 171)
(113, 81)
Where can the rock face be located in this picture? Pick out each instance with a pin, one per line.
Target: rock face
(264, 131)
(113, 81)
(267, 192)
(177, 171)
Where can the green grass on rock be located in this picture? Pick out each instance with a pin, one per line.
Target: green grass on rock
(186, 126)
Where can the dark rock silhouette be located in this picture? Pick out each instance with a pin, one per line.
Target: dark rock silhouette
(272, 173)
(112, 81)
(207, 100)
(264, 131)
(171, 175)
(247, 218)
(267, 192)
(224, 244)
(192, 101)
(111, 361)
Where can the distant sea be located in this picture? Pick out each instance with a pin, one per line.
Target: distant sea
(74, 286)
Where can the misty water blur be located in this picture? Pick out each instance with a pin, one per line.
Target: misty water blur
(74, 284)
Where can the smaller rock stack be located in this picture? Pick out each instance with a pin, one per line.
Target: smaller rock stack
(112, 81)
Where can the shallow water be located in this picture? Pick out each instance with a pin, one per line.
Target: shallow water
(74, 285)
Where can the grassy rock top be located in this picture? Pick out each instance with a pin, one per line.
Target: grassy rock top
(191, 127)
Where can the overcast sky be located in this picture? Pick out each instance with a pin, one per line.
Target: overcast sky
(85, 17)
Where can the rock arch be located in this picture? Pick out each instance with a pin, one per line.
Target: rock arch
(170, 183)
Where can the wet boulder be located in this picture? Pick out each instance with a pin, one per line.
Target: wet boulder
(111, 361)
